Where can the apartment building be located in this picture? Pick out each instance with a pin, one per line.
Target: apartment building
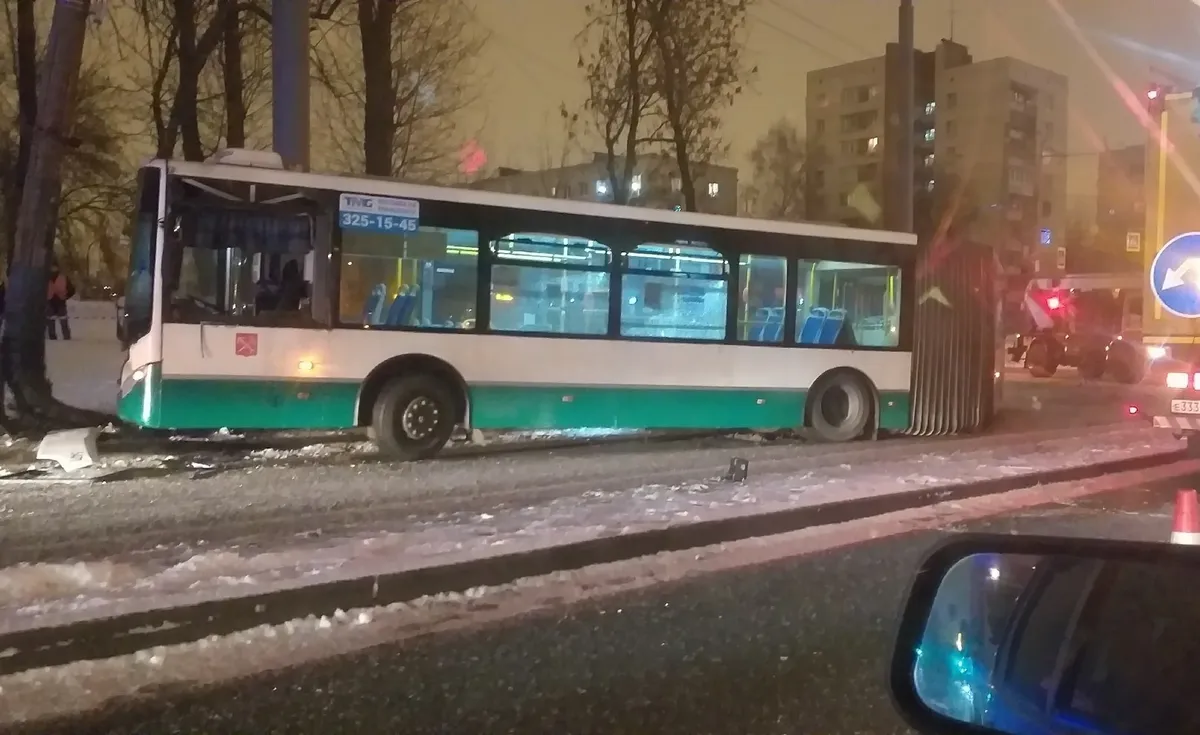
(656, 183)
(1121, 207)
(993, 133)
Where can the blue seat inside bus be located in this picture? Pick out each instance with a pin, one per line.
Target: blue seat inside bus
(401, 310)
(373, 307)
(832, 326)
(822, 326)
(810, 329)
(770, 325)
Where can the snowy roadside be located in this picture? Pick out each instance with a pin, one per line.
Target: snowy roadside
(85, 686)
(40, 595)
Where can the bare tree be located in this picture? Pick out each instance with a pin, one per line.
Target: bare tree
(186, 92)
(617, 58)
(698, 72)
(397, 74)
(777, 172)
(23, 346)
(93, 174)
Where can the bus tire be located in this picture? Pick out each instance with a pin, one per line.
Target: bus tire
(840, 407)
(413, 417)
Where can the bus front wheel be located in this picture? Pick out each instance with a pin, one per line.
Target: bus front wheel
(413, 417)
(840, 407)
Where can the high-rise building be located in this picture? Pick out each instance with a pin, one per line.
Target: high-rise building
(656, 183)
(990, 141)
(1121, 206)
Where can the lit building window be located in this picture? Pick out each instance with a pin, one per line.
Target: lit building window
(713, 188)
(930, 107)
(635, 186)
(929, 134)
(929, 160)
(601, 187)
(872, 144)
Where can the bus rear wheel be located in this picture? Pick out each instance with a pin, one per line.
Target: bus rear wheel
(839, 408)
(413, 417)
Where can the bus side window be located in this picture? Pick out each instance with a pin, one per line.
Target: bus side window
(674, 291)
(550, 283)
(848, 304)
(425, 279)
(761, 298)
(221, 265)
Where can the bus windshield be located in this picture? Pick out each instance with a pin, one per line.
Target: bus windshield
(139, 288)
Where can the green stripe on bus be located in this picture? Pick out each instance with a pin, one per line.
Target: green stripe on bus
(572, 407)
(199, 403)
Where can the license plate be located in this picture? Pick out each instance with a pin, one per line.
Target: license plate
(1185, 406)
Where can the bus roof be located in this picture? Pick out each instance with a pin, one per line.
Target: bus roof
(379, 186)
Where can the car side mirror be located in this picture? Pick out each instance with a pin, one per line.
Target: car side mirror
(1017, 635)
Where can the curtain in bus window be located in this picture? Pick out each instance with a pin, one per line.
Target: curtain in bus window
(252, 232)
(215, 252)
(425, 279)
(674, 291)
(550, 283)
(848, 304)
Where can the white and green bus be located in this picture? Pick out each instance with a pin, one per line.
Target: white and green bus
(261, 298)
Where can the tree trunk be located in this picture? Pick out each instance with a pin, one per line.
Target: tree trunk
(235, 93)
(670, 64)
(23, 345)
(379, 91)
(27, 53)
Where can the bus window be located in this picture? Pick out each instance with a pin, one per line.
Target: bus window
(215, 264)
(550, 283)
(139, 287)
(678, 291)
(848, 304)
(425, 279)
(762, 298)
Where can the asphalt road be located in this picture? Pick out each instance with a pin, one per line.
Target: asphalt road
(796, 646)
(70, 521)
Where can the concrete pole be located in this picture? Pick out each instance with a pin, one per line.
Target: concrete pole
(907, 92)
(290, 80)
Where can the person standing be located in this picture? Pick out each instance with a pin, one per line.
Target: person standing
(59, 291)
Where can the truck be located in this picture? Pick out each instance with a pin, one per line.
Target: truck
(1171, 309)
(1091, 322)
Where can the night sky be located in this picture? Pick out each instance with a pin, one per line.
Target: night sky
(530, 64)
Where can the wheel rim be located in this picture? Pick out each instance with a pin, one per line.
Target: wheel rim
(835, 406)
(420, 419)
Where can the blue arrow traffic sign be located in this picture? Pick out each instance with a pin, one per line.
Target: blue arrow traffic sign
(1175, 276)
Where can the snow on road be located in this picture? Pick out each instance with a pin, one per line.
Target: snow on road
(88, 685)
(47, 594)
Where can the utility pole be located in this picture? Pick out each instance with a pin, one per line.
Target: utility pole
(907, 92)
(290, 80)
(23, 347)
